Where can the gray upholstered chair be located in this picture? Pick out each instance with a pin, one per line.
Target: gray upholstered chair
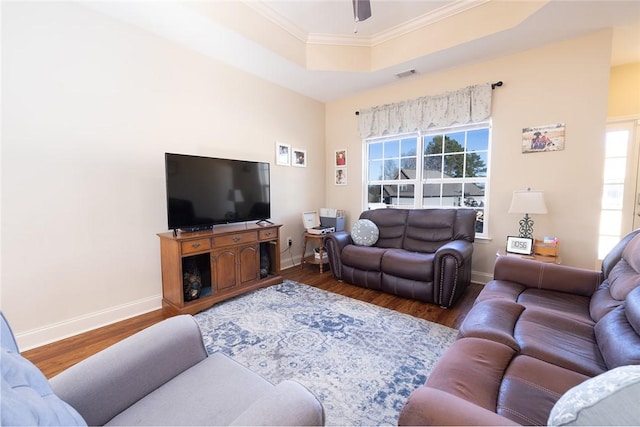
(159, 376)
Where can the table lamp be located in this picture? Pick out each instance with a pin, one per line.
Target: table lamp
(527, 202)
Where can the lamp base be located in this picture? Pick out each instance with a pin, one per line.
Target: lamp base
(526, 227)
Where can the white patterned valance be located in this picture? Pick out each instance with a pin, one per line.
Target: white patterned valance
(469, 105)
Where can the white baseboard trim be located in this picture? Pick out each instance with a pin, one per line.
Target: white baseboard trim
(481, 277)
(68, 328)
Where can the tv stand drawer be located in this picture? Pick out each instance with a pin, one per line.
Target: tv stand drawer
(192, 246)
(235, 239)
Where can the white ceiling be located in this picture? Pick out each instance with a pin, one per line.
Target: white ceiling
(324, 20)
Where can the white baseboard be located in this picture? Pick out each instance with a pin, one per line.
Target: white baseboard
(68, 328)
(481, 277)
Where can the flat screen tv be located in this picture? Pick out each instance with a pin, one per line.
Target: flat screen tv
(205, 191)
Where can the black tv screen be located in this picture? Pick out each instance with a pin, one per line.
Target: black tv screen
(205, 191)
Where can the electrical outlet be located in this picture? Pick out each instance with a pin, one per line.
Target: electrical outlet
(289, 241)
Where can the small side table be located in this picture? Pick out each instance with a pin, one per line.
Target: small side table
(311, 259)
(542, 258)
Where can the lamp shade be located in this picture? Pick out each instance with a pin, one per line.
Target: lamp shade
(529, 202)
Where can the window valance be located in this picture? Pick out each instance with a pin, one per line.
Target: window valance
(468, 105)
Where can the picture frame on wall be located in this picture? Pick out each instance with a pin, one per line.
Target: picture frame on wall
(299, 158)
(543, 138)
(519, 245)
(283, 154)
(341, 176)
(341, 157)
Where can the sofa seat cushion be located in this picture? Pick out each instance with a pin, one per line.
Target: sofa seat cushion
(409, 265)
(472, 369)
(559, 340)
(225, 390)
(574, 306)
(530, 387)
(363, 257)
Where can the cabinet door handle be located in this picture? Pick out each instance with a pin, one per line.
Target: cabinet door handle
(236, 239)
(195, 245)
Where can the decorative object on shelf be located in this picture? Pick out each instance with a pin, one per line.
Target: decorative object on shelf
(283, 154)
(192, 280)
(519, 245)
(543, 138)
(299, 158)
(527, 202)
(548, 246)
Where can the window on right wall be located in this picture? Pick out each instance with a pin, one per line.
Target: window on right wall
(619, 209)
(441, 168)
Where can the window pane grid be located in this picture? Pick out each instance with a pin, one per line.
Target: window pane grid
(440, 169)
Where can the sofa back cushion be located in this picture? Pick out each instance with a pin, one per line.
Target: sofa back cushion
(618, 333)
(615, 254)
(391, 226)
(625, 275)
(622, 277)
(428, 229)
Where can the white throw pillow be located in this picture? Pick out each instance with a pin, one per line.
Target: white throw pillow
(610, 398)
(365, 233)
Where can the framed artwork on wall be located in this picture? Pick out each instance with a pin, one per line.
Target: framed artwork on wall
(341, 157)
(341, 176)
(283, 154)
(543, 138)
(299, 158)
(519, 245)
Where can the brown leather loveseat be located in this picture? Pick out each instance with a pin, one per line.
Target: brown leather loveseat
(536, 331)
(423, 254)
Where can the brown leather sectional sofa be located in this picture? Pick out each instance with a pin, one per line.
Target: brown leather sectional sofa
(535, 331)
(423, 254)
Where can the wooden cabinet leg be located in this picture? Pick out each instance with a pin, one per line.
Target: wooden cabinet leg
(304, 251)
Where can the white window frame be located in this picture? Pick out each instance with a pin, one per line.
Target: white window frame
(419, 180)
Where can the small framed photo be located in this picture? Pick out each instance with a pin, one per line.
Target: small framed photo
(341, 176)
(341, 157)
(283, 154)
(299, 158)
(519, 245)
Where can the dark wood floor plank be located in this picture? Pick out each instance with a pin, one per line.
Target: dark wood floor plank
(56, 357)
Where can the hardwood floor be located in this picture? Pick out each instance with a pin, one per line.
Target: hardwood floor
(56, 357)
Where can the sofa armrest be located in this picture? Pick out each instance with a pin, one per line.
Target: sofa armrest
(288, 404)
(430, 406)
(542, 275)
(334, 244)
(460, 249)
(451, 271)
(107, 383)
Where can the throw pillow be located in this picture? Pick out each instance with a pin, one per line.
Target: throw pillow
(365, 233)
(599, 400)
(27, 398)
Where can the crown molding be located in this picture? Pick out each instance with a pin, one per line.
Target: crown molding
(430, 18)
(277, 19)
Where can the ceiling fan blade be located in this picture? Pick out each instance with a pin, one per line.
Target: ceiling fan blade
(361, 9)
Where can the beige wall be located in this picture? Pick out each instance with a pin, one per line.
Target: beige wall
(624, 91)
(90, 105)
(564, 82)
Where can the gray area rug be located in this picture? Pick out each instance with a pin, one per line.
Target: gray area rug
(362, 361)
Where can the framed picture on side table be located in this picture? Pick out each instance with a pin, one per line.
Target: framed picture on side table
(519, 245)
